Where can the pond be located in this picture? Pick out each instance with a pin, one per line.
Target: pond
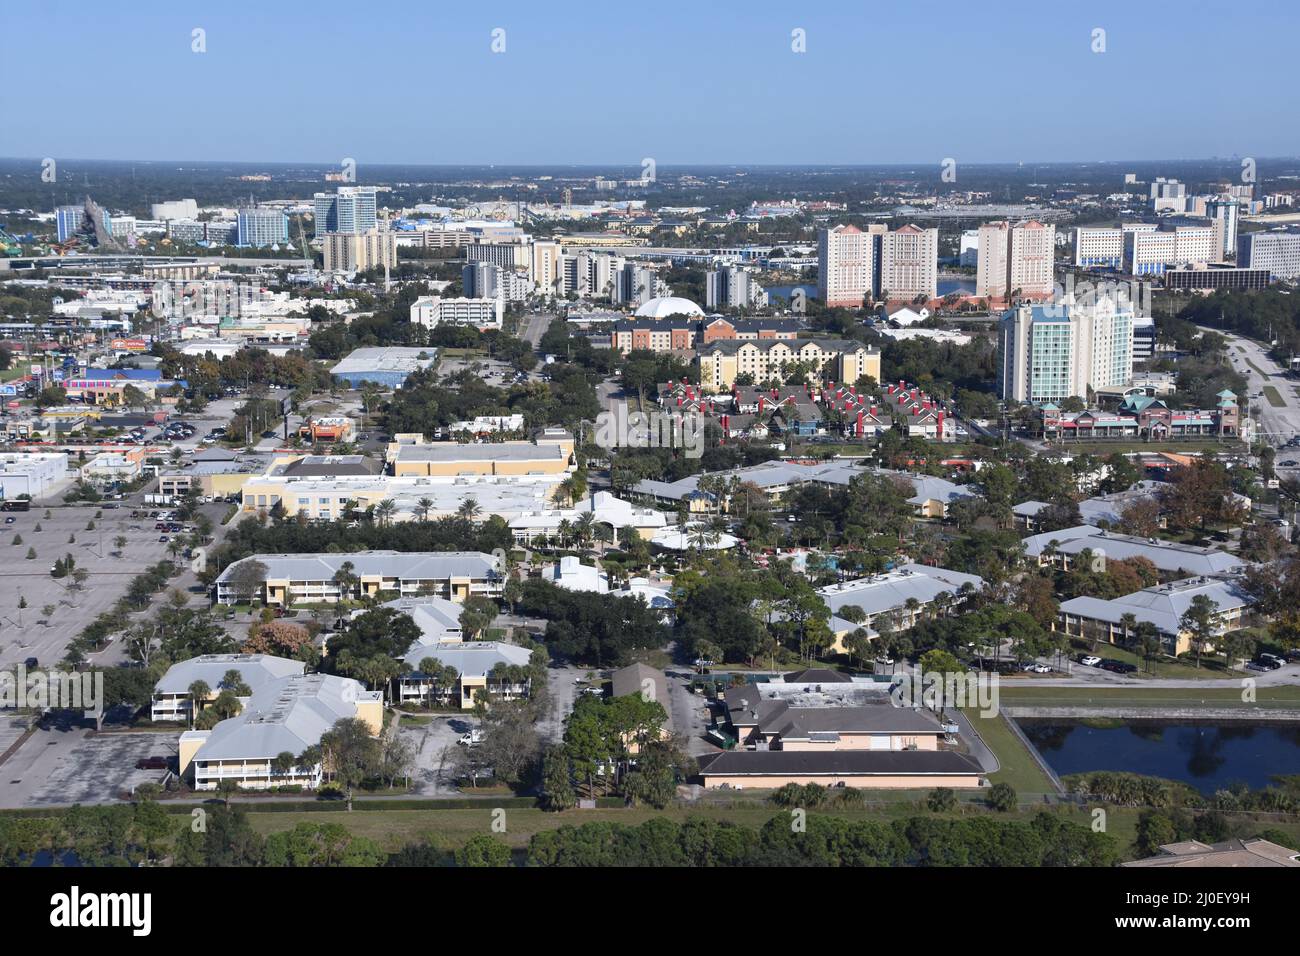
(1208, 756)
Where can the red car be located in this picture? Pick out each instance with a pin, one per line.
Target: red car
(152, 763)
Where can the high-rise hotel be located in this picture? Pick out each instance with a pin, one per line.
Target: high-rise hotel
(852, 263)
(1015, 259)
(1056, 351)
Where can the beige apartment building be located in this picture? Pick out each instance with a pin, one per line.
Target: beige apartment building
(845, 264)
(359, 251)
(909, 267)
(836, 360)
(1015, 259)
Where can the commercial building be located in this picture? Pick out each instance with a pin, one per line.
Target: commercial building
(389, 366)
(258, 226)
(1277, 251)
(360, 251)
(604, 508)
(1144, 416)
(1213, 276)
(173, 698)
(175, 209)
(31, 475)
(350, 209)
(286, 716)
(820, 726)
(483, 280)
(1229, 853)
(482, 313)
(315, 578)
(835, 360)
(504, 459)
(1053, 352)
(1015, 259)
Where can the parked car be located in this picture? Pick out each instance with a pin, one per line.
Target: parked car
(1117, 667)
(1089, 660)
(155, 762)
(1270, 661)
(470, 739)
(1033, 667)
(31, 662)
(10, 520)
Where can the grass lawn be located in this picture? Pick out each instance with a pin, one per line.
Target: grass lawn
(1124, 447)
(1018, 765)
(1285, 696)
(448, 829)
(1274, 397)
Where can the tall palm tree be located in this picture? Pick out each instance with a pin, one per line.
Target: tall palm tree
(469, 509)
(385, 510)
(424, 506)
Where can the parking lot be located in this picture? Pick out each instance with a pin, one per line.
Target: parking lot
(66, 764)
(31, 632)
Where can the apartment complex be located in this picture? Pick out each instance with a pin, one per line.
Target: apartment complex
(287, 579)
(836, 360)
(359, 251)
(1015, 259)
(899, 265)
(732, 287)
(482, 313)
(173, 699)
(1053, 352)
(286, 716)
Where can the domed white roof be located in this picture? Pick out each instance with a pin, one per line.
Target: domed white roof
(666, 305)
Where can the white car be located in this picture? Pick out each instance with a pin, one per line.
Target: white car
(1090, 661)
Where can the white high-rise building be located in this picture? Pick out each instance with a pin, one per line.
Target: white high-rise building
(1015, 259)
(909, 264)
(1150, 253)
(732, 287)
(1277, 251)
(1052, 352)
(845, 265)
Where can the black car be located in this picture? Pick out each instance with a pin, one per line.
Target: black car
(1117, 667)
(31, 662)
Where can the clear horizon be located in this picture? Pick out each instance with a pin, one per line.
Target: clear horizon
(416, 84)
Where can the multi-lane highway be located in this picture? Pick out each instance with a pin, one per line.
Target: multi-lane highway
(1268, 385)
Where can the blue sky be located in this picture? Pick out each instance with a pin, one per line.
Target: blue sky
(706, 81)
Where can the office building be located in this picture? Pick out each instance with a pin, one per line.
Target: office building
(1278, 252)
(1168, 195)
(31, 475)
(259, 226)
(360, 251)
(1015, 259)
(1225, 213)
(1216, 277)
(1053, 352)
(349, 209)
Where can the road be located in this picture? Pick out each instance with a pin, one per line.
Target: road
(534, 325)
(1277, 424)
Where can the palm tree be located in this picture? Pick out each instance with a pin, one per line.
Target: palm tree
(344, 579)
(199, 692)
(385, 510)
(469, 509)
(423, 507)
